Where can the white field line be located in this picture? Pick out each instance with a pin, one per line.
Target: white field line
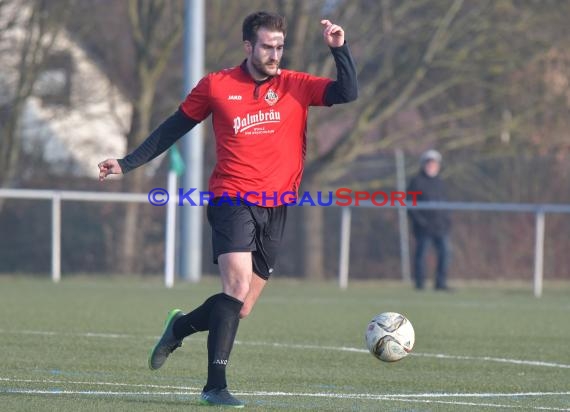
(492, 359)
(101, 393)
(479, 405)
(314, 394)
(393, 397)
(426, 355)
(96, 383)
(302, 347)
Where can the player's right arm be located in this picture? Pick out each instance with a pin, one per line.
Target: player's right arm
(194, 109)
(158, 142)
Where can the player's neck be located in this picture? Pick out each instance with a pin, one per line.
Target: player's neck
(254, 73)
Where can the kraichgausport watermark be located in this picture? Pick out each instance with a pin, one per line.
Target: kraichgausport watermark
(340, 197)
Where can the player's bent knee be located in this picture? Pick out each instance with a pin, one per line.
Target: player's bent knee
(238, 291)
(236, 288)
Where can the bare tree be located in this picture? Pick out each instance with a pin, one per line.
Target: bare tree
(432, 73)
(388, 86)
(40, 22)
(156, 29)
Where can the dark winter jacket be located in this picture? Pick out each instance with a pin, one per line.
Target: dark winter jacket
(429, 221)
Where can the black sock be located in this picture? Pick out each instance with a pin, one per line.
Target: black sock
(223, 325)
(195, 321)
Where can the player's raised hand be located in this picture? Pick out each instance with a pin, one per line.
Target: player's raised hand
(109, 167)
(332, 33)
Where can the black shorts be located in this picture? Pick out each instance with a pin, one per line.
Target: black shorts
(248, 228)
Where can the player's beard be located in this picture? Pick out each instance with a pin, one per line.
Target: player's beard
(263, 69)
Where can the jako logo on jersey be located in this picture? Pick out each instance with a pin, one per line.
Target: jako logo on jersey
(271, 97)
(250, 120)
(234, 97)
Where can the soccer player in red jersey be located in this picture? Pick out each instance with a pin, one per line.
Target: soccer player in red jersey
(259, 115)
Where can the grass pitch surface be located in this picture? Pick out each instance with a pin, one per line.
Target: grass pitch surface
(82, 345)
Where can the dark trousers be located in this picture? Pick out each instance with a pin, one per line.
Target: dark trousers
(441, 243)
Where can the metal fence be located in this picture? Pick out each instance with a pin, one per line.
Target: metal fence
(57, 197)
(539, 211)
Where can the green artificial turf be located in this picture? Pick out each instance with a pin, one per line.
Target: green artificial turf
(82, 345)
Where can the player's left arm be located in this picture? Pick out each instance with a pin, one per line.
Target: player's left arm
(345, 88)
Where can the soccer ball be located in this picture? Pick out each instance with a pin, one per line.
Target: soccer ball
(390, 336)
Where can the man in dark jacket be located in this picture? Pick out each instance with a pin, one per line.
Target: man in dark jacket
(430, 225)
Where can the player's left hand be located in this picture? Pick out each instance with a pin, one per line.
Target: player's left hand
(332, 33)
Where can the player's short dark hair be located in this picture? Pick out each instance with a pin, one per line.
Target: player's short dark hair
(257, 20)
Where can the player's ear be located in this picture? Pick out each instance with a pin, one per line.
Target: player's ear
(248, 47)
